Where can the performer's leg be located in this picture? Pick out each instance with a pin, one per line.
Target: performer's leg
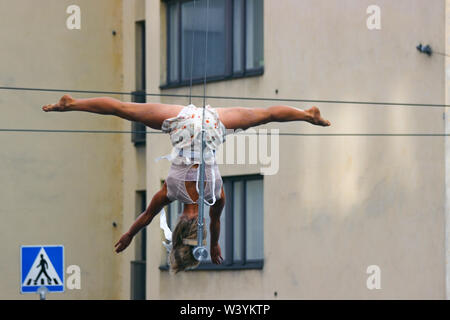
(244, 118)
(150, 114)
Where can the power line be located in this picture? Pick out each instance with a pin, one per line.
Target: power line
(237, 133)
(229, 98)
(406, 104)
(78, 131)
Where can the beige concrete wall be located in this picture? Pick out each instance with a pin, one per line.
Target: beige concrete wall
(346, 202)
(447, 150)
(61, 188)
(134, 165)
(153, 69)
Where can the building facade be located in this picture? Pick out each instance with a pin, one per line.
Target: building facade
(68, 188)
(337, 205)
(308, 216)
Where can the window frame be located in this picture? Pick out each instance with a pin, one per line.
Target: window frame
(139, 135)
(229, 263)
(229, 45)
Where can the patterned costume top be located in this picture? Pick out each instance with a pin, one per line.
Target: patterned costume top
(186, 135)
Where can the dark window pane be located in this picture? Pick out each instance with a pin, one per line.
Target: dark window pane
(138, 280)
(140, 238)
(138, 137)
(189, 18)
(138, 265)
(254, 36)
(254, 225)
(238, 27)
(140, 56)
(216, 39)
(235, 38)
(238, 219)
(173, 42)
(245, 196)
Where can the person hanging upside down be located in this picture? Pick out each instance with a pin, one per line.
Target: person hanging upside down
(184, 124)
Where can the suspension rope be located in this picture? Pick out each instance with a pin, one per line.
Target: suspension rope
(206, 60)
(192, 53)
(200, 251)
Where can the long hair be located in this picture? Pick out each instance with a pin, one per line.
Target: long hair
(181, 257)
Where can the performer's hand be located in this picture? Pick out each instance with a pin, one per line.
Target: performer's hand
(62, 105)
(216, 254)
(123, 242)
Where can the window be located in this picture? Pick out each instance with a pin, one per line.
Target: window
(138, 136)
(138, 265)
(241, 232)
(235, 40)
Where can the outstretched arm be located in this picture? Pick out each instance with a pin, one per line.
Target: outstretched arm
(150, 114)
(244, 118)
(158, 202)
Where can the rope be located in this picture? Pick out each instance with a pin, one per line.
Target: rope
(206, 59)
(201, 197)
(192, 55)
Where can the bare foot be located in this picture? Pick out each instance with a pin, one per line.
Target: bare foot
(316, 118)
(62, 105)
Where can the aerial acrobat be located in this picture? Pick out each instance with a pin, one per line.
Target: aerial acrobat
(184, 125)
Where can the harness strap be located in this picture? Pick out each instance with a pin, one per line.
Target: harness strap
(187, 159)
(213, 178)
(193, 242)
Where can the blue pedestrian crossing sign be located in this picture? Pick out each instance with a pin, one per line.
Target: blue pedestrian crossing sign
(42, 266)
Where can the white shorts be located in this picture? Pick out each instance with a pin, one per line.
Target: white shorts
(180, 173)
